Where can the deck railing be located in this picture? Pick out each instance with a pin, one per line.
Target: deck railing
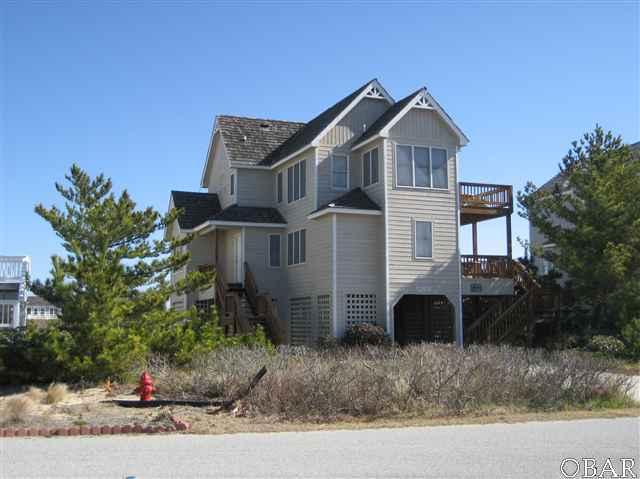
(486, 266)
(484, 195)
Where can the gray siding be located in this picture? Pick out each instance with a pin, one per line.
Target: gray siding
(256, 187)
(359, 262)
(441, 274)
(338, 140)
(219, 173)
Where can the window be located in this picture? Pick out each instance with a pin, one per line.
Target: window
(274, 251)
(51, 311)
(205, 306)
(6, 314)
(370, 168)
(423, 239)
(279, 185)
(340, 172)
(232, 186)
(42, 312)
(296, 247)
(297, 181)
(28, 310)
(421, 167)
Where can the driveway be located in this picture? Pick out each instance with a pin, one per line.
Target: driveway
(528, 450)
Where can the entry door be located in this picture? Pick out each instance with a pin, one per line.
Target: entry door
(237, 259)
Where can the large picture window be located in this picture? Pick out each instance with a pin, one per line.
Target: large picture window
(339, 172)
(421, 167)
(423, 239)
(297, 247)
(370, 168)
(297, 181)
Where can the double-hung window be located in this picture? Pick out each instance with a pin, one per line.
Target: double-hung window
(297, 181)
(370, 168)
(297, 247)
(421, 167)
(339, 172)
(423, 240)
(279, 186)
(274, 251)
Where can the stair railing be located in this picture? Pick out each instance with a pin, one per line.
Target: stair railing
(264, 306)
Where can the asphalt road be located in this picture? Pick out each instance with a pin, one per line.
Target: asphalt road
(529, 450)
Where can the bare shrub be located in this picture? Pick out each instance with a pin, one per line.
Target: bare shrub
(371, 381)
(56, 392)
(17, 409)
(37, 395)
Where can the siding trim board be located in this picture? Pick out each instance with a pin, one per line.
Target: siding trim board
(328, 211)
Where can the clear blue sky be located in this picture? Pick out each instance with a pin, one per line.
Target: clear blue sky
(132, 90)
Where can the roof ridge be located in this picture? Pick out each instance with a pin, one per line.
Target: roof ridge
(240, 117)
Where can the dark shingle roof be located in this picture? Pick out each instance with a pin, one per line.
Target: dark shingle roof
(249, 214)
(249, 140)
(35, 300)
(306, 135)
(354, 199)
(196, 207)
(391, 112)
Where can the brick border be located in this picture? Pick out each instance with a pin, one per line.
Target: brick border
(179, 425)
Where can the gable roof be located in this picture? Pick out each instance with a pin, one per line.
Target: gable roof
(420, 98)
(35, 300)
(391, 112)
(355, 200)
(314, 128)
(196, 207)
(249, 140)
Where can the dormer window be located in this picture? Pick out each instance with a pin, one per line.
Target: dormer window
(339, 172)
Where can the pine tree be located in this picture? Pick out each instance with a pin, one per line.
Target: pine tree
(593, 217)
(114, 283)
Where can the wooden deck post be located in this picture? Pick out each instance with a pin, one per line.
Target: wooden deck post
(474, 229)
(509, 246)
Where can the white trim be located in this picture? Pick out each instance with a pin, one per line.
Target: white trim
(242, 256)
(241, 166)
(247, 224)
(289, 157)
(459, 324)
(366, 142)
(343, 113)
(315, 179)
(370, 167)
(348, 158)
(269, 235)
(388, 313)
(413, 168)
(423, 93)
(415, 238)
(347, 211)
(214, 130)
(334, 276)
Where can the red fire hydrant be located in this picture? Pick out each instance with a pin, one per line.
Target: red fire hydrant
(145, 387)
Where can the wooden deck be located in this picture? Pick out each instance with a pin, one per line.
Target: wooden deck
(486, 266)
(483, 201)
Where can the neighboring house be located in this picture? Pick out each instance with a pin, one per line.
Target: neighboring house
(539, 243)
(13, 290)
(40, 310)
(352, 217)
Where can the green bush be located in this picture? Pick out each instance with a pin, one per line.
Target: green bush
(606, 345)
(365, 334)
(631, 336)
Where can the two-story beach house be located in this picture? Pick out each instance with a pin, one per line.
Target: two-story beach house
(351, 217)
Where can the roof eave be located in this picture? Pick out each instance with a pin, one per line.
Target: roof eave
(337, 210)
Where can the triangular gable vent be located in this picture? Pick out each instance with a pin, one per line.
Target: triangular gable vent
(423, 103)
(374, 92)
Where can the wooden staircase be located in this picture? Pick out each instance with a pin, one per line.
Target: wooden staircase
(514, 316)
(242, 308)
